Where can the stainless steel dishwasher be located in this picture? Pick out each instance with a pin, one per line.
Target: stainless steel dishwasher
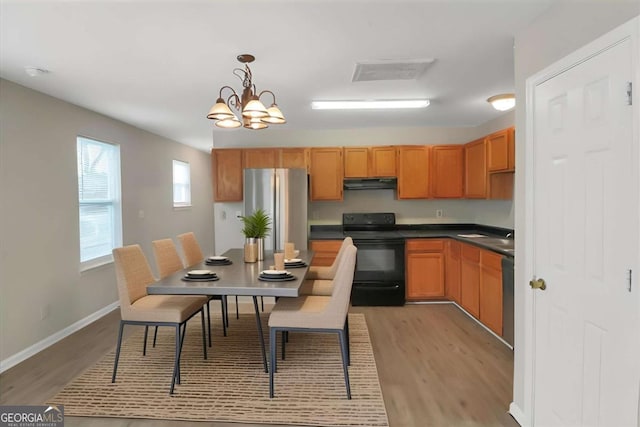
(507, 299)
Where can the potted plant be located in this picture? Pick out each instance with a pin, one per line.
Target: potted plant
(256, 228)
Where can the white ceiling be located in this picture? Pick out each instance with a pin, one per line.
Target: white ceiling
(159, 65)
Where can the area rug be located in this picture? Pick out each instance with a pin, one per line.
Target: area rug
(231, 385)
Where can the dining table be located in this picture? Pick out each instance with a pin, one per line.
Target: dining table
(237, 278)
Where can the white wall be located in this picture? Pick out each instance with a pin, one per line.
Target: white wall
(39, 253)
(564, 28)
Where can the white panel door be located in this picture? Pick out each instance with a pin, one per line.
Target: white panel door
(585, 222)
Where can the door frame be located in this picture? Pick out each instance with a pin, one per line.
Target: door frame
(629, 30)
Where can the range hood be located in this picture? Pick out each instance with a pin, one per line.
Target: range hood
(370, 183)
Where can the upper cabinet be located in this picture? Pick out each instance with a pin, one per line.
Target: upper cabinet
(364, 162)
(413, 171)
(326, 172)
(447, 171)
(475, 175)
(383, 161)
(356, 162)
(226, 167)
(501, 151)
(480, 169)
(260, 158)
(294, 158)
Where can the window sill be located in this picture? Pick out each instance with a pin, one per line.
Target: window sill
(95, 263)
(181, 207)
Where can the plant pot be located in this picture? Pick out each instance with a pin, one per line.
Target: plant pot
(250, 250)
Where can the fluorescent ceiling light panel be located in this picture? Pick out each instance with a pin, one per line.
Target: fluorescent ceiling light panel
(369, 105)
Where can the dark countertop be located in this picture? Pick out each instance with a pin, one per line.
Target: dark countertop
(494, 238)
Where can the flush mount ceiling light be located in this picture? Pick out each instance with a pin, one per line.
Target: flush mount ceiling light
(254, 115)
(503, 102)
(368, 105)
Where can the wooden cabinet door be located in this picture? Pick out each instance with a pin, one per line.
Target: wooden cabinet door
(447, 171)
(382, 161)
(512, 149)
(470, 279)
(498, 151)
(260, 158)
(356, 162)
(326, 173)
(475, 184)
(452, 271)
(413, 172)
(491, 291)
(325, 251)
(293, 158)
(425, 268)
(226, 167)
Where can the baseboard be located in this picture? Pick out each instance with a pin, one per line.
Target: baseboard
(483, 325)
(23, 355)
(517, 414)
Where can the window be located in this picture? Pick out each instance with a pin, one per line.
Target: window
(181, 184)
(99, 201)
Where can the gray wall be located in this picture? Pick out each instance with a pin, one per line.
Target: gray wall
(39, 253)
(490, 212)
(564, 28)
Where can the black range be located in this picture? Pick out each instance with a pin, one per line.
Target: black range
(379, 278)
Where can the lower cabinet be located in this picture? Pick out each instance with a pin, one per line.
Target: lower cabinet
(470, 279)
(491, 290)
(425, 268)
(452, 277)
(325, 251)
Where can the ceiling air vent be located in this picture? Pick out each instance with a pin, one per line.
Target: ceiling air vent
(410, 69)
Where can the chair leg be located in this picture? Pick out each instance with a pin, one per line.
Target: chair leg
(115, 362)
(343, 349)
(144, 345)
(155, 336)
(204, 334)
(223, 307)
(273, 337)
(176, 363)
(262, 303)
(260, 335)
(346, 332)
(237, 311)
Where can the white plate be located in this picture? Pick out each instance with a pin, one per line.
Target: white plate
(293, 260)
(218, 258)
(274, 272)
(200, 272)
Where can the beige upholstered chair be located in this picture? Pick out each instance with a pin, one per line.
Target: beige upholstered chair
(192, 256)
(313, 313)
(169, 262)
(191, 249)
(319, 280)
(138, 308)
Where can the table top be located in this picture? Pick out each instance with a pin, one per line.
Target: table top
(239, 278)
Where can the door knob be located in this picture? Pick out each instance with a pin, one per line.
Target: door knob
(538, 284)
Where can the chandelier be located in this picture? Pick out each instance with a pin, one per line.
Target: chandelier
(254, 115)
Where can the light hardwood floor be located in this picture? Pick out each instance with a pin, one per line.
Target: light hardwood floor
(437, 367)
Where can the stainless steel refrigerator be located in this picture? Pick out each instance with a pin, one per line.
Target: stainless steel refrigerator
(282, 193)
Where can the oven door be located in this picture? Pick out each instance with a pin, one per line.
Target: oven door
(379, 274)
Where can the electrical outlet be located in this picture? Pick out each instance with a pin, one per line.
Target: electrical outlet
(439, 213)
(238, 214)
(223, 215)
